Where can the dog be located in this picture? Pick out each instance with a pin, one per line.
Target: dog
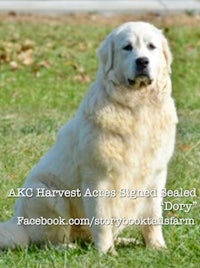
(111, 157)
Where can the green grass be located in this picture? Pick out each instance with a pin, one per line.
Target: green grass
(37, 98)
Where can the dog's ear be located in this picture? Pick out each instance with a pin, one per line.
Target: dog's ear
(106, 53)
(167, 54)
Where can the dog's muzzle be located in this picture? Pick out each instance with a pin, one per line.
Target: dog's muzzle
(142, 77)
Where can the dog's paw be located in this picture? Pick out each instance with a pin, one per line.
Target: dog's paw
(157, 245)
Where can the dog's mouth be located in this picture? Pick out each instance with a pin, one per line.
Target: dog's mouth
(140, 81)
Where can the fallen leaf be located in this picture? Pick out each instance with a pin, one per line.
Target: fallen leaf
(4, 57)
(37, 74)
(27, 45)
(82, 78)
(26, 57)
(185, 147)
(45, 64)
(14, 65)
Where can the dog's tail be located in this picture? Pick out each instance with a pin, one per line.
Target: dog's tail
(13, 235)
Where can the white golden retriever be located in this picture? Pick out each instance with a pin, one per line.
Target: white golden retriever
(118, 144)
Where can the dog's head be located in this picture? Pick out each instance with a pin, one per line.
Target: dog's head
(135, 53)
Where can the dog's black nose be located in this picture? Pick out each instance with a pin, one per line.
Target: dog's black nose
(142, 62)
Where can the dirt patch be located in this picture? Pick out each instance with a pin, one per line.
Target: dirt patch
(162, 20)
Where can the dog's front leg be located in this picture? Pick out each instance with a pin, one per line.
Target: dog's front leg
(97, 210)
(153, 234)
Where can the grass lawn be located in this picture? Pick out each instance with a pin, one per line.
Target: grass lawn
(46, 66)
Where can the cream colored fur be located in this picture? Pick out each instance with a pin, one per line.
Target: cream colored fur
(122, 136)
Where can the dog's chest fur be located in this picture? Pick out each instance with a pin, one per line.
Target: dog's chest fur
(125, 133)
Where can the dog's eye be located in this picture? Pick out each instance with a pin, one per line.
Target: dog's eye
(128, 47)
(151, 46)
